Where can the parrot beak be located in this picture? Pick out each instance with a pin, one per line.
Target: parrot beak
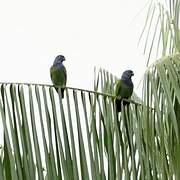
(132, 74)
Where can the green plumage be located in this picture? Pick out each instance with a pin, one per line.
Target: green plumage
(59, 77)
(123, 90)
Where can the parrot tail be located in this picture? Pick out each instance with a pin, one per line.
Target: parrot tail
(62, 91)
(118, 104)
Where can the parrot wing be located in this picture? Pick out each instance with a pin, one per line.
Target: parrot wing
(118, 88)
(58, 75)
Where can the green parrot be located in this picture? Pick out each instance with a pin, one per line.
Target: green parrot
(58, 74)
(124, 89)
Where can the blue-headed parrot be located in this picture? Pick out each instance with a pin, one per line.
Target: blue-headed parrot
(58, 74)
(124, 88)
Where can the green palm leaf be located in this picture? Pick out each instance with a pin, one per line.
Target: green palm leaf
(161, 32)
(81, 136)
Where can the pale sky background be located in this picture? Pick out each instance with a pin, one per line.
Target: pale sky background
(102, 33)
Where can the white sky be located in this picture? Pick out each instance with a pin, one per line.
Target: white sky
(102, 33)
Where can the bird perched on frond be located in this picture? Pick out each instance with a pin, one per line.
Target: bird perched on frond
(124, 89)
(58, 73)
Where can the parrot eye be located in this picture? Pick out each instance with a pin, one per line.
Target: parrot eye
(131, 73)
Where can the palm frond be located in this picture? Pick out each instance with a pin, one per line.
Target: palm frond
(82, 137)
(161, 32)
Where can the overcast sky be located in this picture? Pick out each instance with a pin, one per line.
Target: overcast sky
(102, 33)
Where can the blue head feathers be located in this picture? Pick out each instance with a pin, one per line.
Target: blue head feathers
(59, 59)
(127, 75)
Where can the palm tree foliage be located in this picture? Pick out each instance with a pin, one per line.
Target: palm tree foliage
(83, 137)
(161, 33)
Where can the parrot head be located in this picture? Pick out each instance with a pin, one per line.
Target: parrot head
(59, 59)
(127, 75)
